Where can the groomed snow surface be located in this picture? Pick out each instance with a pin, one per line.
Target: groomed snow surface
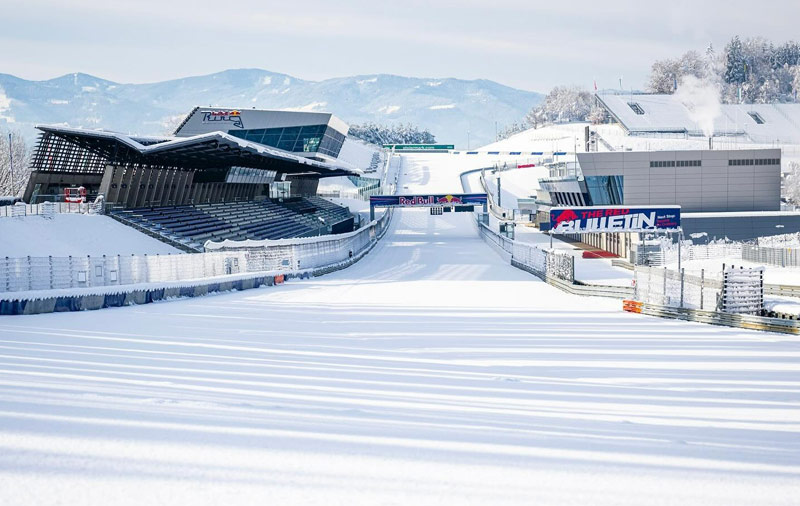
(430, 372)
(76, 235)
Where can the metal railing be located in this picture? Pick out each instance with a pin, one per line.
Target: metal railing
(499, 212)
(542, 263)
(783, 257)
(306, 253)
(49, 273)
(752, 322)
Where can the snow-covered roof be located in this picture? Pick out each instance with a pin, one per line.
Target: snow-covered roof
(652, 113)
(213, 149)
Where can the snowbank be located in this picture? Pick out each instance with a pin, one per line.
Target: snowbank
(74, 235)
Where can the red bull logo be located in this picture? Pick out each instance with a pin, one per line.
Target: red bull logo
(449, 199)
(568, 215)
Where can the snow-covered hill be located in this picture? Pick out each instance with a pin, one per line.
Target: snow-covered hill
(449, 108)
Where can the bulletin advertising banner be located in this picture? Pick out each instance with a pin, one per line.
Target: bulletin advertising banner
(579, 220)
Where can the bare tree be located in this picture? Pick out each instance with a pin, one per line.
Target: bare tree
(20, 154)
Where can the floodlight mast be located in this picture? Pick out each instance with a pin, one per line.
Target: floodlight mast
(11, 164)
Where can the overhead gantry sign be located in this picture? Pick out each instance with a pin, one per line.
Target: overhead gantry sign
(454, 200)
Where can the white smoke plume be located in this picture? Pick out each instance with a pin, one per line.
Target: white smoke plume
(701, 98)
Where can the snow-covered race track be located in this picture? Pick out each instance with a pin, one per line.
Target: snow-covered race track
(430, 372)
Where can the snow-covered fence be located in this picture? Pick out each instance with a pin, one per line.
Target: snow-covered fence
(48, 273)
(289, 255)
(688, 289)
(711, 251)
(540, 262)
(784, 257)
(306, 253)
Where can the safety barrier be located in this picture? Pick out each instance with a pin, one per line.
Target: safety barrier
(499, 212)
(304, 253)
(750, 322)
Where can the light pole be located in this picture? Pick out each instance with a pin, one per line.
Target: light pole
(11, 164)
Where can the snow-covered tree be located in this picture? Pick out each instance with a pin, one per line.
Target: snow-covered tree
(394, 134)
(597, 115)
(665, 74)
(21, 158)
(791, 183)
(171, 123)
(512, 129)
(562, 104)
(735, 62)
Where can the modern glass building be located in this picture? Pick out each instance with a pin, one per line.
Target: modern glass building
(313, 135)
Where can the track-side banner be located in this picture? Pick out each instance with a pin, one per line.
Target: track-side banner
(452, 199)
(578, 220)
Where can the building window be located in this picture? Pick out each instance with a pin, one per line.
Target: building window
(636, 108)
(305, 139)
(663, 163)
(605, 190)
(756, 117)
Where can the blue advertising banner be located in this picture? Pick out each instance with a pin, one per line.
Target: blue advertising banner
(451, 199)
(578, 220)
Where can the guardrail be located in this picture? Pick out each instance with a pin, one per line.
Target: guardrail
(499, 212)
(750, 322)
(305, 253)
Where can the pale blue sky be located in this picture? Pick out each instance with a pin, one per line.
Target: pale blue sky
(531, 45)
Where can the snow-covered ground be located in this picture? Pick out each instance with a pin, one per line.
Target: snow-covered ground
(430, 372)
(76, 235)
(338, 183)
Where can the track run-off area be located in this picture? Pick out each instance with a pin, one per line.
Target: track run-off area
(430, 372)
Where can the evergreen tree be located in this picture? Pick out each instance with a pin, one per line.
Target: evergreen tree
(735, 63)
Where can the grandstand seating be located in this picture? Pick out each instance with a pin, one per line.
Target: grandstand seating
(192, 225)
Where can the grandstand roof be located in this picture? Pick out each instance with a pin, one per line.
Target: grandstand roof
(642, 113)
(209, 150)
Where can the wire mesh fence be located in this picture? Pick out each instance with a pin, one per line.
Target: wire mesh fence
(697, 289)
(540, 261)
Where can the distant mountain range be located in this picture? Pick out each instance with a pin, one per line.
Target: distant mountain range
(455, 111)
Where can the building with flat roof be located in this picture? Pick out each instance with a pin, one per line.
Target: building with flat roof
(734, 194)
(316, 135)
